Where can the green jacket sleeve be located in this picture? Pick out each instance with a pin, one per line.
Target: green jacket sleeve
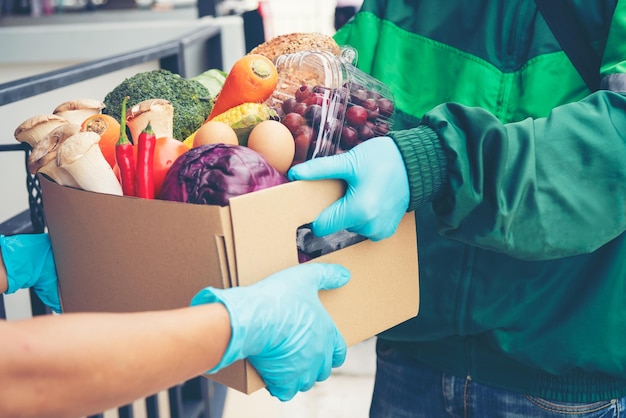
(535, 189)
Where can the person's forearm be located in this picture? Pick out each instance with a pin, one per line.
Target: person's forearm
(80, 364)
(511, 188)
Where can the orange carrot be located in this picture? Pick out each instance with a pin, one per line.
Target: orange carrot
(252, 79)
(109, 130)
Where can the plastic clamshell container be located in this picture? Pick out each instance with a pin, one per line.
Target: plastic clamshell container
(322, 88)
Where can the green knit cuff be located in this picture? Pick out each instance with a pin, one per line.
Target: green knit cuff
(425, 163)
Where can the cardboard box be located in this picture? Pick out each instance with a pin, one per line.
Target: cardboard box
(122, 254)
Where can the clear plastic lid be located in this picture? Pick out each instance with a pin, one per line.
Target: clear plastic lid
(328, 104)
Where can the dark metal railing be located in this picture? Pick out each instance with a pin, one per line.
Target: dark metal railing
(191, 399)
(171, 56)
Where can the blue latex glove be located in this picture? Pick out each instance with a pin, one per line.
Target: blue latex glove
(29, 262)
(280, 325)
(377, 194)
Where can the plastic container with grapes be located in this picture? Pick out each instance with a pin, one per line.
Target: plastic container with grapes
(328, 104)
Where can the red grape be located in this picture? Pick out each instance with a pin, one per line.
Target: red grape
(302, 93)
(293, 121)
(385, 106)
(356, 115)
(349, 137)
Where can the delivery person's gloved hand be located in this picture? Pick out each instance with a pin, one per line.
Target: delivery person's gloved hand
(280, 325)
(29, 262)
(377, 194)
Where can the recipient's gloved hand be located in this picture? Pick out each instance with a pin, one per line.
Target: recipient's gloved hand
(29, 262)
(377, 194)
(280, 325)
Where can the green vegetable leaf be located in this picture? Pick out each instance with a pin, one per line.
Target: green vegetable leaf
(212, 79)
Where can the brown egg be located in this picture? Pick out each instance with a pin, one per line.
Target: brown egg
(214, 132)
(274, 142)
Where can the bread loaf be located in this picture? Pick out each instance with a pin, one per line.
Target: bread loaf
(296, 42)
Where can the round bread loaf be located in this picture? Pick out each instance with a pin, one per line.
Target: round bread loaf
(295, 42)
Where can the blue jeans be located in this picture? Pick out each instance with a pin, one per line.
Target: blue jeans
(405, 389)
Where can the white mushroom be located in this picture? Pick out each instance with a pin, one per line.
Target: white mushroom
(82, 158)
(48, 148)
(78, 110)
(34, 130)
(160, 114)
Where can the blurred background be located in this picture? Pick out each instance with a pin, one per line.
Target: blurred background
(275, 16)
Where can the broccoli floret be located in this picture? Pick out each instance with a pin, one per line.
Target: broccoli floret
(191, 100)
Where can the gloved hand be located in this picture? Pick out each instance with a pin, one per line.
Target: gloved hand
(377, 194)
(280, 325)
(29, 262)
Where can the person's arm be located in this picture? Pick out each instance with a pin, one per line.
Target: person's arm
(536, 189)
(84, 363)
(80, 364)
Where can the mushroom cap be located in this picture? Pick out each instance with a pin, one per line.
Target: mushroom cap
(35, 128)
(76, 146)
(80, 104)
(77, 111)
(146, 106)
(158, 112)
(46, 149)
(81, 158)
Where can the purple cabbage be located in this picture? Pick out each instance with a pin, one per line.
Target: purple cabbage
(213, 173)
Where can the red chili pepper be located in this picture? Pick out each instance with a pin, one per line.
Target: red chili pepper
(144, 174)
(124, 156)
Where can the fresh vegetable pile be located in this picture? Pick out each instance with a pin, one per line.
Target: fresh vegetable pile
(208, 138)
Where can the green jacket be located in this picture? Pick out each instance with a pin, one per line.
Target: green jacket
(518, 182)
